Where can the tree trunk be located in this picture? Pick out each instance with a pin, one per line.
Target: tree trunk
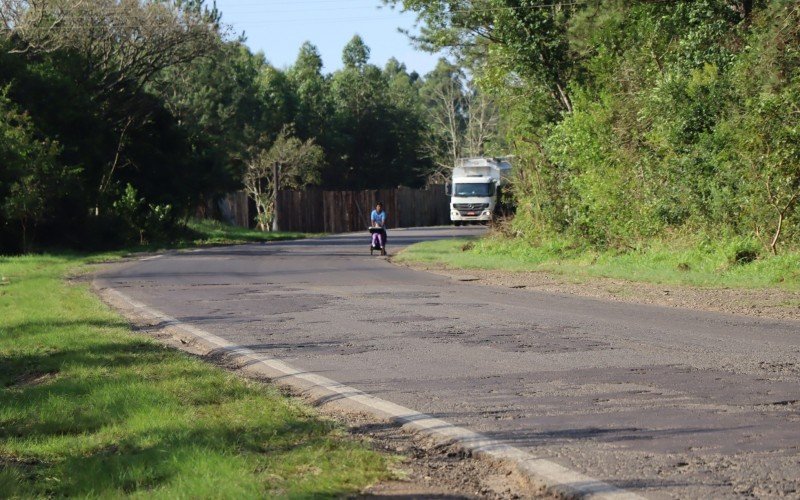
(105, 180)
(261, 226)
(773, 245)
(564, 97)
(260, 217)
(276, 183)
(24, 236)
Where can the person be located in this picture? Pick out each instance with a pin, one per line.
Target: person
(378, 220)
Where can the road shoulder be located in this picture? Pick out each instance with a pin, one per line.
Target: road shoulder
(430, 467)
(759, 303)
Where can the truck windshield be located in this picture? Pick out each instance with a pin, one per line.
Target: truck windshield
(464, 190)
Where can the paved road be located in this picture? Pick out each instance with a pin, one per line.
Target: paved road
(664, 402)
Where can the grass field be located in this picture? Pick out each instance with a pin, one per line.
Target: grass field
(735, 264)
(90, 409)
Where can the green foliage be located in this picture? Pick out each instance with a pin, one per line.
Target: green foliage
(762, 132)
(29, 177)
(165, 105)
(297, 163)
(222, 103)
(355, 54)
(376, 125)
(634, 121)
(313, 96)
(143, 221)
(205, 232)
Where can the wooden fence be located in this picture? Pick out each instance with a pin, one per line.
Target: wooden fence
(317, 211)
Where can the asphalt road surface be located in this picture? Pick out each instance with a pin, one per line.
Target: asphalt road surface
(661, 401)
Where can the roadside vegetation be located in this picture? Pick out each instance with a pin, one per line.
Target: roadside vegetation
(118, 120)
(207, 232)
(90, 409)
(645, 135)
(735, 264)
(632, 124)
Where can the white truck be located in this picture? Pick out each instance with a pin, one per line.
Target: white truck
(475, 187)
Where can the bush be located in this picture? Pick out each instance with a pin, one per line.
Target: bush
(684, 120)
(143, 222)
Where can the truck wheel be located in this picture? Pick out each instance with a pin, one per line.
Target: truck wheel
(456, 223)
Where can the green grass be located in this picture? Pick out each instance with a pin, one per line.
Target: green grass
(700, 265)
(210, 232)
(90, 409)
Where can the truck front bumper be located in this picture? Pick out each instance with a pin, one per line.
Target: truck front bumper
(480, 216)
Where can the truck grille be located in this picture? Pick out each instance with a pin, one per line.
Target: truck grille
(471, 207)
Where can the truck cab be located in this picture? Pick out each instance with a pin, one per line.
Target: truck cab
(474, 187)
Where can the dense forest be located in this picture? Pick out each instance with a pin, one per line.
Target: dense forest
(118, 119)
(641, 119)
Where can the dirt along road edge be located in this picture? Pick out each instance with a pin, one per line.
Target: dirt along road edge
(543, 477)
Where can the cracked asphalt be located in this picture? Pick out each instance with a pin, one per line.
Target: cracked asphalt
(665, 402)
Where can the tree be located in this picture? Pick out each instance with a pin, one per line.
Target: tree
(629, 120)
(278, 99)
(312, 90)
(356, 53)
(162, 111)
(408, 125)
(122, 46)
(30, 176)
(462, 120)
(33, 23)
(525, 37)
(287, 163)
(483, 122)
(359, 95)
(222, 104)
(122, 43)
(763, 133)
(444, 92)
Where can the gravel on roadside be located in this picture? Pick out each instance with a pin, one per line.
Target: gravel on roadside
(761, 303)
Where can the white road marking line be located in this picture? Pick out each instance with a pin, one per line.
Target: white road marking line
(154, 257)
(556, 478)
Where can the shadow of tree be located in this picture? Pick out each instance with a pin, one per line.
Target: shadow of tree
(120, 414)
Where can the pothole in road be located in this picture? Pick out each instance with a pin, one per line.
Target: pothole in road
(408, 318)
(401, 295)
(265, 306)
(518, 339)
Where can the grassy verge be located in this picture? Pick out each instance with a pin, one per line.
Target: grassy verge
(210, 232)
(90, 409)
(701, 265)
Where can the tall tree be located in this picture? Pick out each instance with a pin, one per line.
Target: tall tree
(445, 98)
(286, 163)
(313, 94)
(408, 123)
(355, 54)
(122, 47)
(219, 102)
(524, 37)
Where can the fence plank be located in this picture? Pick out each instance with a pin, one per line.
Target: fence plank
(314, 210)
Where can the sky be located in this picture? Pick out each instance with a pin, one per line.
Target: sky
(279, 27)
